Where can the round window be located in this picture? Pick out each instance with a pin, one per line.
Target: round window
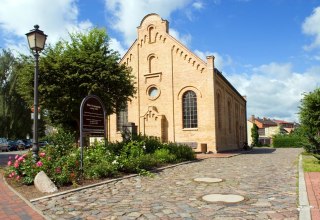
(153, 92)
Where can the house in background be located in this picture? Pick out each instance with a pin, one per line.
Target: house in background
(267, 128)
(180, 97)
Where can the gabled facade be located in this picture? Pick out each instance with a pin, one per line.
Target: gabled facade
(180, 98)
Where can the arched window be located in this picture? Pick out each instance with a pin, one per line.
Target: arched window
(229, 115)
(190, 114)
(219, 111)
(151, 35)
(122, 118)
(152, 60)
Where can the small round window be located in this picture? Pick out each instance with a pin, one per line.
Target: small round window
(153, 92)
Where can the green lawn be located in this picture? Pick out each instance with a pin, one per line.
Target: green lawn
(310, 164)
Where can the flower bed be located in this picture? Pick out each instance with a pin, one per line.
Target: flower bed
(61, 161)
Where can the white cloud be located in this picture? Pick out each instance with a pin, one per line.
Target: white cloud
(184, 39)
(274, 90)
(311, 26)
(219, 61)
(56, 19)
(197, 5)
(116, 45)
(127, 14)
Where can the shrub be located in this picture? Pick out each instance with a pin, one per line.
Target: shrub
(23, 168)
(182, 152)
(62, 141)
(164, 156)
(115, 148)
(130, 156)
(99, 162)
(151, 143)
(286, 141)
(100, 169)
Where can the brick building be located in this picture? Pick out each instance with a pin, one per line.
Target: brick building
(180, 98)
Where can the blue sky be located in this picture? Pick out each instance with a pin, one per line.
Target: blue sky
(268, 49)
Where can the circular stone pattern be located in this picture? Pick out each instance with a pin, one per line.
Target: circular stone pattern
(208, 180)
(227, 198)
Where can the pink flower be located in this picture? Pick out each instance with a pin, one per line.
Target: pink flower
(58, 170)
(39, 164)
(42, 154)
(12, 174)
(9, 163)
(20, 159)
(18, 178)
(16, 164)
(16, 157)
(10, 157)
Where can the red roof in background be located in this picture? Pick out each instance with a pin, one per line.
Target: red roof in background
(267, 122)
(282, 122)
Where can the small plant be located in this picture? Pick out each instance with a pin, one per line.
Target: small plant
(164, 156)
(143, 172)
(182, 152)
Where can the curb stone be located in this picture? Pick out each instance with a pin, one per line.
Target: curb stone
(304, 207)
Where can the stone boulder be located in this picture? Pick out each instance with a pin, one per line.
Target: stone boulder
(44, 184)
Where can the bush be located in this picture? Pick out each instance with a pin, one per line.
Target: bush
(151, 143)
(164, 156)
(286, 141)
(115, 148)
(63, 142)
(182, 152)
(99, 162)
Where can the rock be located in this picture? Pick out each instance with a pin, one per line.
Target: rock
(44, 184)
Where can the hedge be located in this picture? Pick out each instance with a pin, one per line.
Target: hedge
(286, 141)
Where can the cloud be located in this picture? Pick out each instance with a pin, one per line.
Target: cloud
(219, 61)
(311, 27)
(274, 90)
(116, 46)
(184, 39)
(125, 15)
(197, 5)
(56, 19)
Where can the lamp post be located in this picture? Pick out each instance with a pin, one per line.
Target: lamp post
(36, 40)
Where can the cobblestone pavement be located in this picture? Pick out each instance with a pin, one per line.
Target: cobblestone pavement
(266, 177)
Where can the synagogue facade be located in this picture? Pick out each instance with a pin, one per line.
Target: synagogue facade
(180, 97)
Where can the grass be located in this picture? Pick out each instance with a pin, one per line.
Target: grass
(310, 164)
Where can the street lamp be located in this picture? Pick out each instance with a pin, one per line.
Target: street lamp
(36, 40)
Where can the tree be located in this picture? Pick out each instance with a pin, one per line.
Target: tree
(71, 70)
(15, 113)
(310, 120)
(255, 135)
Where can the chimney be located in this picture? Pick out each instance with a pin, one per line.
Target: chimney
(210, 62)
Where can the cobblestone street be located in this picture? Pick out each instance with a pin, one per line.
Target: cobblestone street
(265, 177)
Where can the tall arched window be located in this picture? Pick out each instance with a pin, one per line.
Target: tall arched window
(151, 35)
(229, 115)
(152, 60)
(190, 113)
(122, 118)
(219, 111)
